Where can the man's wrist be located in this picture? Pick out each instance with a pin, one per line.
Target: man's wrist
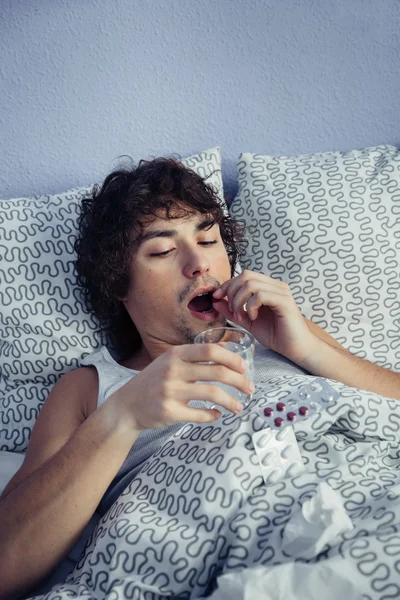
(321, 359)
(119, 417)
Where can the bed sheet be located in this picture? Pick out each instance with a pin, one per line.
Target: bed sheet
(199, 509)
(10, 462)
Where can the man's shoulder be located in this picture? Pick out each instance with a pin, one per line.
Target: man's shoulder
(66, 408)
(81, 386)
(85, 376)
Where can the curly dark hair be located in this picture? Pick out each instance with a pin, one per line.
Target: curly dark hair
(126, 203)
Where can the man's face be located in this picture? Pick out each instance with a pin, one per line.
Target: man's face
(176, 260)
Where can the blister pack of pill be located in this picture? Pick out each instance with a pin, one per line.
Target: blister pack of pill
(300, 404)
(276, 446)
(278, 454)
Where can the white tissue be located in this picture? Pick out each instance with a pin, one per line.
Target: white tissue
(326, 580)
(321, 519)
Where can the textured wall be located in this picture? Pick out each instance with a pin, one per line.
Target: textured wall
(82, 82)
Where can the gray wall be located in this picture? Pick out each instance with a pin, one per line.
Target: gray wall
(85, 81)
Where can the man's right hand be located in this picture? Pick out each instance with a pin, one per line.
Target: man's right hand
(159, 395)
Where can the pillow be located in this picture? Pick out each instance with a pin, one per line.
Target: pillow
(45, 329)
(329, 225)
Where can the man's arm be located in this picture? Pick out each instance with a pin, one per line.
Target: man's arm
(69, 464)
(335, 362)
(322, 334)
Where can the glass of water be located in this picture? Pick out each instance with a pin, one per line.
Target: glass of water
(236, 340)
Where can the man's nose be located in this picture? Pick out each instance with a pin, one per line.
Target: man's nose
(196, 263)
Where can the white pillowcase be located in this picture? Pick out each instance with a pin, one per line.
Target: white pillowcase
(329, 225)
(45, 329)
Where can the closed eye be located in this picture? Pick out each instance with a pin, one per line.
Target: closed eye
(162, 253)
(167, 252)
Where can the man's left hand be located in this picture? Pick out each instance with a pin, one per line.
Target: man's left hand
(272, 316)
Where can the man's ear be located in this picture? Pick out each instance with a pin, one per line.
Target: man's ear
(124, 289)
(123, 297)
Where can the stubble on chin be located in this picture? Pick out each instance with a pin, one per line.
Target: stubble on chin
(188, 332)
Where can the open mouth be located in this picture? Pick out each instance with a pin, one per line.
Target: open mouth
(201, 306)
(201, 303)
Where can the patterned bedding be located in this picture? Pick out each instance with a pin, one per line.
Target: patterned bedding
(200, 508)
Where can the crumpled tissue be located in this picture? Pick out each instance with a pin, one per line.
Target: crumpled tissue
(321, 519)
(326, 580)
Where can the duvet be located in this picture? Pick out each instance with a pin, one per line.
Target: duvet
(200, 509)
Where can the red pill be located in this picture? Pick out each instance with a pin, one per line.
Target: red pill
(278, 421)
(291, 416)
(281, 406)
(303, 410)
(268, 411)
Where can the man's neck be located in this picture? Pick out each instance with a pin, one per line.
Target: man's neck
(138, 361)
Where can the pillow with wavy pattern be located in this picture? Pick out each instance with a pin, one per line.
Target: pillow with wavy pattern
(45, 329)
(329, 225)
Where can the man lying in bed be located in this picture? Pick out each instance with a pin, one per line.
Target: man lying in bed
(151, 240)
